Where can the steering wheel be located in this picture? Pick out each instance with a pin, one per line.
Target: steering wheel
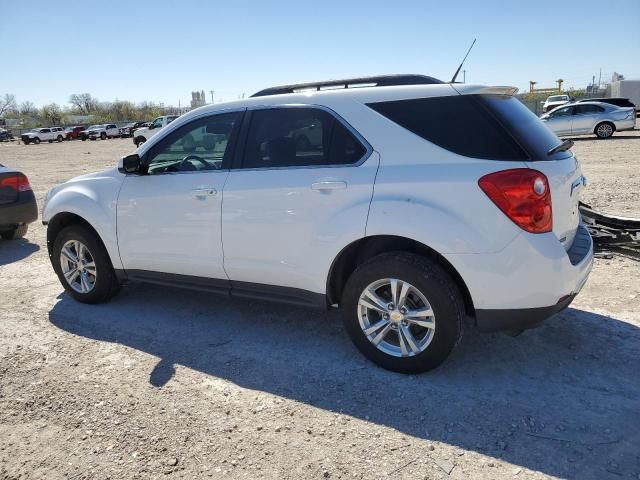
(186, 164)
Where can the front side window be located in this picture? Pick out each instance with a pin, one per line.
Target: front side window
(157, 123)
(299, 137)
(563, 112)
(198, 146)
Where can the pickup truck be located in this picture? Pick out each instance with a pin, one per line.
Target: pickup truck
(141, 135)
(103, 132)
(38, 135)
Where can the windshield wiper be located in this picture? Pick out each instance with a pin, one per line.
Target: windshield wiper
(564, 146)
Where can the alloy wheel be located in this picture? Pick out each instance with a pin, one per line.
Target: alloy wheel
(396, 317)
(605, 130)
(78, 266)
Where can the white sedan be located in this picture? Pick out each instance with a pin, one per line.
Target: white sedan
(585, 118)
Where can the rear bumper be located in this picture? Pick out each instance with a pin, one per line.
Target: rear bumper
(629, 124)
(24, 211)
(530, 280)
(518, 319)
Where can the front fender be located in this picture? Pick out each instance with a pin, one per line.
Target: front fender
(95, 202)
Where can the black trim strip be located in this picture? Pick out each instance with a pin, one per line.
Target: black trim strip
(257, 291)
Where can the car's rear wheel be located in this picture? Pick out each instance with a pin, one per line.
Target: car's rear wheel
(59, 138)
(604, 129)
(83, 265)
(403, 311)
(15, 233)
(36, 140)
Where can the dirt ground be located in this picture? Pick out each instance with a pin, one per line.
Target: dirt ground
(163, 383)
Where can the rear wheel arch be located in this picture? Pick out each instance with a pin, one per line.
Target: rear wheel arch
(361, 250)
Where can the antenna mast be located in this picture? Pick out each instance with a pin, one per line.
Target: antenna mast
(455, 75)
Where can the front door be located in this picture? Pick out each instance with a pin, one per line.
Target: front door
(559, 121)
(169, 215)
(300, 193)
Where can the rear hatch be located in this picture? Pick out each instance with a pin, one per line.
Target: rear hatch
(562, 169)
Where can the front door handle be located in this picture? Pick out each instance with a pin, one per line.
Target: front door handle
(204, 191)
(329, 185)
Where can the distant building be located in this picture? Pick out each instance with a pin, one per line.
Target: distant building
(198, 99)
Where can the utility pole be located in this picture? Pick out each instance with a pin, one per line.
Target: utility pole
(464, 76)
(599, 78)
(212, 92)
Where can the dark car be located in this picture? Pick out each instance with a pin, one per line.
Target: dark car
(72, 133)
(5, 135)
(617, 101)
(18, 206)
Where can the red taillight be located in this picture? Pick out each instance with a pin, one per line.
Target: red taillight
(18, 182)
(523, 195)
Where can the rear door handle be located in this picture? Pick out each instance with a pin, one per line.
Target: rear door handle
(329, 185)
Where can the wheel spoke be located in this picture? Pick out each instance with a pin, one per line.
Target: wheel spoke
(425, 312)
(375, 327)
(426, 323)
(403, 344)
(375, 302)
(409, 338)
(69, 255)
(71, 275)
(383, 333)
(84, 282)
(404, 291)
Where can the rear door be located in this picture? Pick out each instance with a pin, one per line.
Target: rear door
(585, 118)
(300, 191)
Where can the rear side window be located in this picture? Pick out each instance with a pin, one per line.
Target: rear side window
(583, 109)
(462, 124)
(299, 137)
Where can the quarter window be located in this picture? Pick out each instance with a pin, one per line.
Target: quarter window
(462, 124)
(299, 137)
(200, 145)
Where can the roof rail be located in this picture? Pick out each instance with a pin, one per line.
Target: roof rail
(377, 81)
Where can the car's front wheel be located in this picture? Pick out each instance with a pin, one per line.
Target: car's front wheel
(83, 265)
(140, 141)
(403, 311)
(103, 136)
(604, 129)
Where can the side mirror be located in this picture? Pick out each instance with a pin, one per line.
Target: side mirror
(129, 164)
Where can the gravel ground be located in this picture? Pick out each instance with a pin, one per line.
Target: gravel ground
(163, 383)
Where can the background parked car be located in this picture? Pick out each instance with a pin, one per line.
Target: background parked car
(586, 118)
(617, 101)
(18, 206)
(108, 130)
(38, 135)
(132, 127)
(72, 133)
(145, 133)
(5, 135)
(555, 101)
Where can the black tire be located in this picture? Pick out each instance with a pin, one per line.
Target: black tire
(140, 141)
(36, 140)
(106, 283)
(84, 139)
(103, 136)
(60, 138)
(27, 142)
(433, 282)
(606, 131)
(18, 232)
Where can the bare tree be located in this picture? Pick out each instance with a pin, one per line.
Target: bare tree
(28, 108)
(84, 103)
(51, 114)
(7, 103)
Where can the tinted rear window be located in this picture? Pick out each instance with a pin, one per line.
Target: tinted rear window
(461, 124)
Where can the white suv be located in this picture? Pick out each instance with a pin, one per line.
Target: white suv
(410, 207)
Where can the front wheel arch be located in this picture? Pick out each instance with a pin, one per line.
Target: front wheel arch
(363, 249)
(62, 220)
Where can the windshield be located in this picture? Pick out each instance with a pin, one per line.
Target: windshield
(557, 98)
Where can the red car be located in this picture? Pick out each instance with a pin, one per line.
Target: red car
(71, 133)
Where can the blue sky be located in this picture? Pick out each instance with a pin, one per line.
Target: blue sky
(162, 50)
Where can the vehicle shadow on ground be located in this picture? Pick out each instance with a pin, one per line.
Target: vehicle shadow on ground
(563, 399)
(13, 250)
(593, 137)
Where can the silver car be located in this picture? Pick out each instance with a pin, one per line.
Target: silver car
(585, 118)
